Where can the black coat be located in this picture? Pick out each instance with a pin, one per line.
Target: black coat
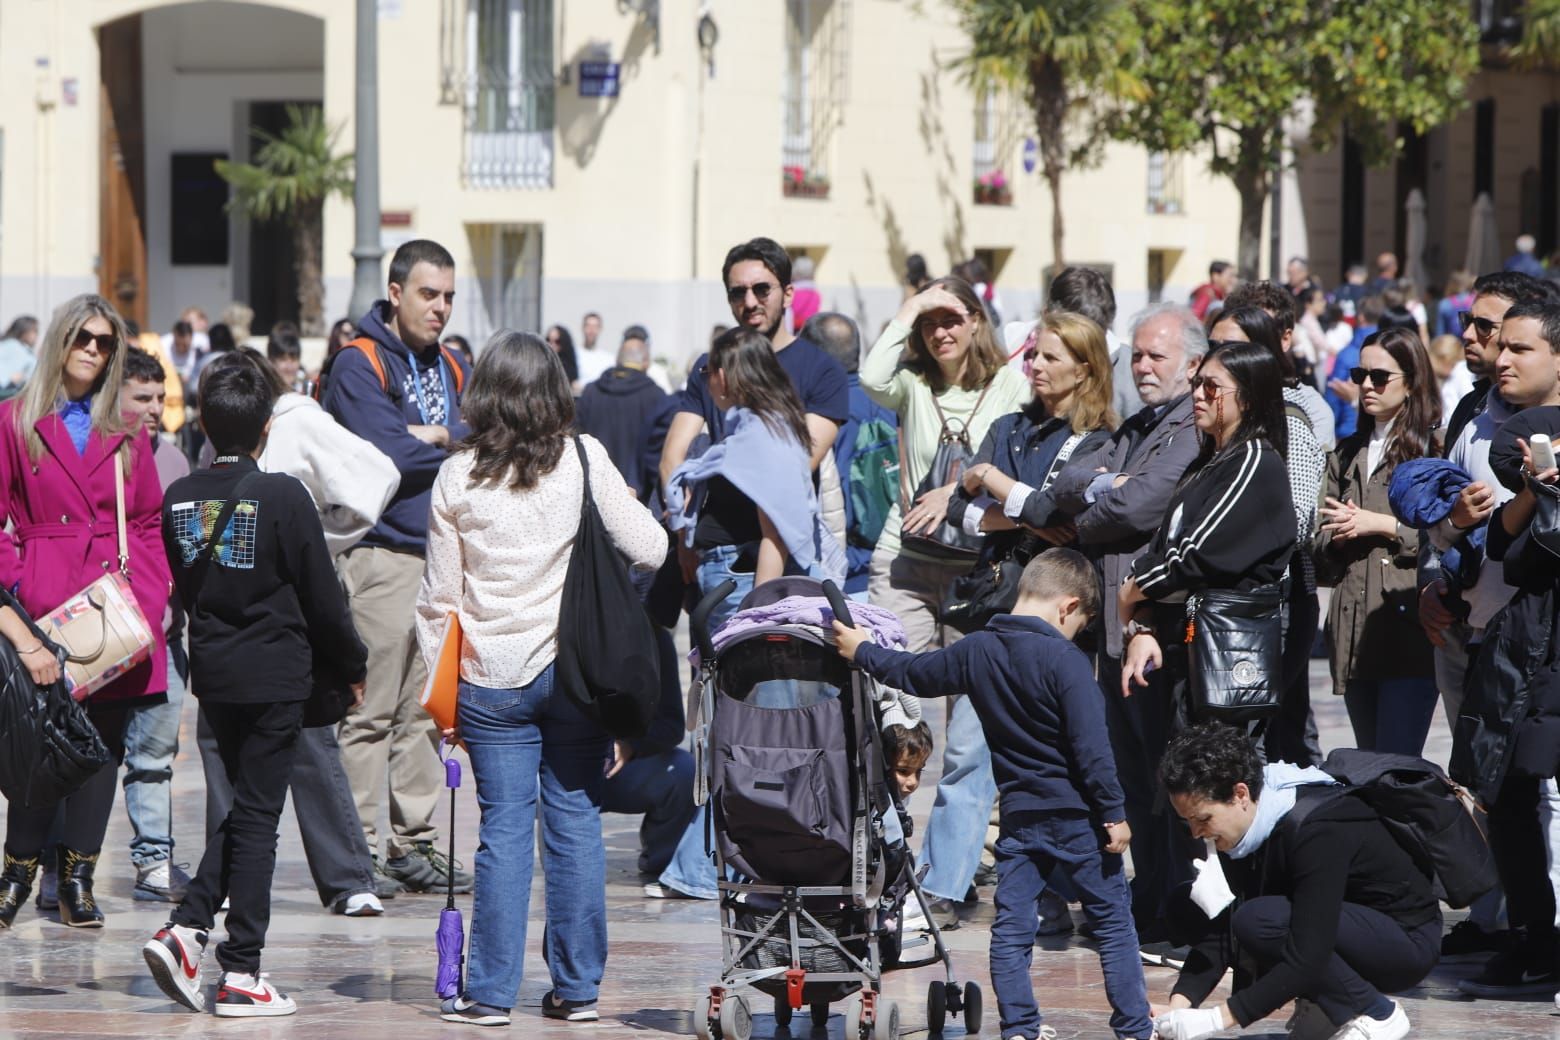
(616, 410)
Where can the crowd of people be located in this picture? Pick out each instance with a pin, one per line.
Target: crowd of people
(291, 530)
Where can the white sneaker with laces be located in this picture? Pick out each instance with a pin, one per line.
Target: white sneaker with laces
(173, 955)
(1363, 1027)
(245, 996)
(161, 882)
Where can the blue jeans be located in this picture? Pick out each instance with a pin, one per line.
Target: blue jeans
(151, 744)
(1033, 848)
(661, 787)
(692, 870)
(1391, 714)
(525, 744)
(956, 830)
(714, 568)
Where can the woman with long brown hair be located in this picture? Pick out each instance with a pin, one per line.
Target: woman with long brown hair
(61, 440)
(501, 528)
(1382, 663)
(939, 366)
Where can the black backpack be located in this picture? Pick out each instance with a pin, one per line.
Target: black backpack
(1436, 821)
(607, 660)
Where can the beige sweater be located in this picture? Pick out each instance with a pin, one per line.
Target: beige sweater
(498, 557)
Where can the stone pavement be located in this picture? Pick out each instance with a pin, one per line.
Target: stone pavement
(374, 977)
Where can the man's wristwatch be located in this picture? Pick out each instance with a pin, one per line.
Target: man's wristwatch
(1135, 628)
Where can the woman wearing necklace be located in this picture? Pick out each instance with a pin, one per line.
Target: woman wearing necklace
(1230, 524)
(1381, 659)
(60, 440)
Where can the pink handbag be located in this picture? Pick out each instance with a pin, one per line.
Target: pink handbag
(101, 628)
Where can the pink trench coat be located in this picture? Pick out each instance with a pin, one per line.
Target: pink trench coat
(62, 532)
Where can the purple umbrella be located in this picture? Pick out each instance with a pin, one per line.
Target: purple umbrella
(451, 936)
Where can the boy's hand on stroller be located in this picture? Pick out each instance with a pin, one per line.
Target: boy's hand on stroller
(622, 755)
(1120, 836)
(847, 639)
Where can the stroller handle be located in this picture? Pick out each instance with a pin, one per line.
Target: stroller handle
(699, 620)
(837, 604)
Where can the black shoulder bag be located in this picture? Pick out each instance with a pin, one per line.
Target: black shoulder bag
(608, 661)
(331, 696)
(1235, 649)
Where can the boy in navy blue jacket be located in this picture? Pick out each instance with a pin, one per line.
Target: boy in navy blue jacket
(1062, 810)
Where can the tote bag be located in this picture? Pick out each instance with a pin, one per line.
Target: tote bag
(607, 655)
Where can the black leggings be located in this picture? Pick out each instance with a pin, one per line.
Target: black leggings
(84, 813)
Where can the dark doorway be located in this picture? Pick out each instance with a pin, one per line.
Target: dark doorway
(273, 271)
(1352, 236)
(1549, 180)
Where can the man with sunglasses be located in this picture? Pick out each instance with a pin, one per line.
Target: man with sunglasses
(757, 276)
(1455, 619)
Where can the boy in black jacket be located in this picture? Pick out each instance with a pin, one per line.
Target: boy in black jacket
(1062, 809)
(260, 603)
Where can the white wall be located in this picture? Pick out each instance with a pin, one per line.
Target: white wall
(203, 65)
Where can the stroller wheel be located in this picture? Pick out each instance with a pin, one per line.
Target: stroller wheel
(936, 1007)
(971, 1008)
(885, 1025)
(853, 1029)
(736, 1019)
(820, 1013)
(782, 1011)
(701, 1019)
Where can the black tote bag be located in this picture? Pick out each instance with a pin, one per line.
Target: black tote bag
(48, 746)
(1235, 652)
(607, 655)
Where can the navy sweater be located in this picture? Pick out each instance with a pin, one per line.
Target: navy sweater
(1039, 704)
(357, 400)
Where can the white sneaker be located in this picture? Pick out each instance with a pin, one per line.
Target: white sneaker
(173, 956)
(1309, 1022)
(358, 904)
(1363, 1027)
(162, 881)
(656, 890)
(244, 996)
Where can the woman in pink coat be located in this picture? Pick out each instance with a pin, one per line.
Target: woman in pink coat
(59, 441)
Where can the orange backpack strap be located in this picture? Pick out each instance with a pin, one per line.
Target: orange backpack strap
(454, 363)
(371, 349)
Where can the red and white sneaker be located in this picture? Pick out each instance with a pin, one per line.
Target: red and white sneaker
(245, 996)
(173, 955)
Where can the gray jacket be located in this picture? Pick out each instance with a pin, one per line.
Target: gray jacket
(1124, 395)
(1154, 451)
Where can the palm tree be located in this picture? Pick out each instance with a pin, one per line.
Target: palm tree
(294, 172)
(1540, 43)
(1067, 58)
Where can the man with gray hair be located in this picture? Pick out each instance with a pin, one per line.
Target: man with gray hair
(1117, 496)
(1523, 261)
(616, 409)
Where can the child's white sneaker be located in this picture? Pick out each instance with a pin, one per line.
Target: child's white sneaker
(245, 996)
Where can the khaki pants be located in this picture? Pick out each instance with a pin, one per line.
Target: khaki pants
(390, 738)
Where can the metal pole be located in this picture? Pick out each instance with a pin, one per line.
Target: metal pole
(366, 251)
(1276, 222)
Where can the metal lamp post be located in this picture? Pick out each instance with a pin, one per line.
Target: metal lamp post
(366, 250)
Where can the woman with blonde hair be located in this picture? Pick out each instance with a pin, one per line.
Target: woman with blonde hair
(60, 442)
(939, 366)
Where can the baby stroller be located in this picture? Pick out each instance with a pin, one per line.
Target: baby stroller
(789, 757)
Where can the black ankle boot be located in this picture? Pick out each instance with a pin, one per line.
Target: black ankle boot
(16, 881)
(77, 907)
(48, 897)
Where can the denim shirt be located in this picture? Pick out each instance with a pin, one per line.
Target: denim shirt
(77, 417)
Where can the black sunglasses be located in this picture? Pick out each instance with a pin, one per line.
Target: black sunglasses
(106, 342)
(1379, 377)
(1487, 327)
(760, 290)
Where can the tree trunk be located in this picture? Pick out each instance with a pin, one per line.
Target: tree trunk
(1048, 98)
(1252, 185)
(307, 247)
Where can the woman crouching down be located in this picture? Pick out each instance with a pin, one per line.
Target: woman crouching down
(501, 530)
(1325, 906)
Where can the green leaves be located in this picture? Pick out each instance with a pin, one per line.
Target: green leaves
(1540, 44)
(293, 172)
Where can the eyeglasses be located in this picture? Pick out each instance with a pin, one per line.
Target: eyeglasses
(940, 320)
(760, 291)
(1208, 388)
(1486, 327)
(1379, 377)
(106, 342)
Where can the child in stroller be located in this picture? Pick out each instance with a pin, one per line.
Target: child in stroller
(807, 839)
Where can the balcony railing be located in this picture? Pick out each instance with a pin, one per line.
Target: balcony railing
(1500, 21)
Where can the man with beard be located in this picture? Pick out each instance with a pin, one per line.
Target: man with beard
(757, 276)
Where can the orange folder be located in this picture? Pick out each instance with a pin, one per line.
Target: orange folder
(439, 695)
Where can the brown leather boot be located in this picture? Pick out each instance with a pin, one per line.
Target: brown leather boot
(16, 881)
(77, 907)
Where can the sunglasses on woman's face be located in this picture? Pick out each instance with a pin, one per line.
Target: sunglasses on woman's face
(1486, 327)
(1208, 388)
(106, 342)
(1379, 377)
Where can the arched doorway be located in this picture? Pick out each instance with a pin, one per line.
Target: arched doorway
(182, 86)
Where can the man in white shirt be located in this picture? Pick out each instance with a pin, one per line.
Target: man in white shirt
(593, 361)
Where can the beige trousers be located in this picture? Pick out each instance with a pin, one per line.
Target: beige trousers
(390, 741)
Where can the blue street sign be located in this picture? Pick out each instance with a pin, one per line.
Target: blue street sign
(599, 78)
(1031, 154)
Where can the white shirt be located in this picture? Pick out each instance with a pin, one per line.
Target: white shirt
(498, 556)
(1377, 446)
(1456, 387)
(593, 364)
